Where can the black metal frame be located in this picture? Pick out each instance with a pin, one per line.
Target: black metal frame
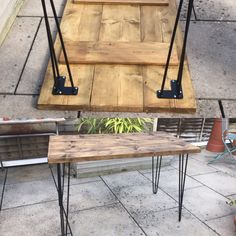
(176, 91)
(182, 177)
(59, 80)
(156, 168)
(60, 183)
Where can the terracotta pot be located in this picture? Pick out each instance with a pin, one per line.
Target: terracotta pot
(215, 143)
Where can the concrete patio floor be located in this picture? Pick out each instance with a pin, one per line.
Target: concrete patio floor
(211, 53)
(122, 203)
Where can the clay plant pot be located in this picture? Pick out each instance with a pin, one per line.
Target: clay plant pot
(215, 143)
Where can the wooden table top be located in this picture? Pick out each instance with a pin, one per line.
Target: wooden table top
(77, 148)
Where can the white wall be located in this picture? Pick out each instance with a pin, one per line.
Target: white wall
(8, 12)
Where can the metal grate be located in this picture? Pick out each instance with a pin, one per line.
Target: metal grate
(189, 129)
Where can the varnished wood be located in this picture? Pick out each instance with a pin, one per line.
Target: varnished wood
(76, 148)
(116, 87)
(126, 53)
(119, 2)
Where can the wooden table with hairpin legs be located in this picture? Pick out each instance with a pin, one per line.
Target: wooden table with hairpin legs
(67, 149)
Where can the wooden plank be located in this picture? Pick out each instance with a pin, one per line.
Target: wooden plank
(79, 22)
(120, 2)
(126, 53)
(153, 75)
(76, 148)
(118, 87)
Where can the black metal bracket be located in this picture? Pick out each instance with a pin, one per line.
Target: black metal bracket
(59, 80)
(59, 87)
(176, 91)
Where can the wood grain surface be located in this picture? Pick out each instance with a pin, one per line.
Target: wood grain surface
(76, 148)
(120, 2)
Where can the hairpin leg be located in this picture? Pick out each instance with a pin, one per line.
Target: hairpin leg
(65, 225)
(176, 85)
(156, 169)
(59, 87)
(182, 177)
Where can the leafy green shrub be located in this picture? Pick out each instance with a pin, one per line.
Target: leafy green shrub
(114, 125)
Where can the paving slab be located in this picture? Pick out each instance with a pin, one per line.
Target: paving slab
(212, 59)
(229, 108)
(28, 173)
(141, 200)
(166, 223)
(225, 167)
(27, 193)
(204, 157)
(12, 58)
(40, 219)
(195, 167)
(34, 8)
(215, 10)
(125, 179)
(163, 168)
(2, 175)
(205, 203)
(24, 106)
(205, 108)
(110, 220)
(220, 182)
(35, 68)
(223, 226)
(169, 181)
(88, 195)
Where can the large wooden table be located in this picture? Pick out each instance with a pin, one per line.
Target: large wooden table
(76, 148)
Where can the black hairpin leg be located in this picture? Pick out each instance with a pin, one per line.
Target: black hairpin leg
(182, 177)
(176, 85)
(59, 80)
(64, 213)
(156, 169)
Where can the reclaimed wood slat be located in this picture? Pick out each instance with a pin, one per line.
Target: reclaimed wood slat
(118, 87)
(76, 148)
(120, 2)
(126, 53)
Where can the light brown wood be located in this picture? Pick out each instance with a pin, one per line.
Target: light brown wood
(126, 53)
(76, 148)
(120, 2)
(118, 88)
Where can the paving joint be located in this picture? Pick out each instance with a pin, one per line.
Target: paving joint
(123, 206)
(27, 57)
(3, 189)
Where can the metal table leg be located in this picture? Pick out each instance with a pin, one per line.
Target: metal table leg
(64, 213)
(156, 170)
(182, 177)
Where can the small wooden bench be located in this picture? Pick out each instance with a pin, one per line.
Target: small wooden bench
(76, 148)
